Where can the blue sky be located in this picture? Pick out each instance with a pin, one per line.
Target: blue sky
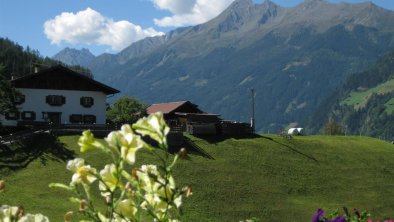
(107, 25)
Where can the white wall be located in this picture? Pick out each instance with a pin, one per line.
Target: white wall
(35, 100)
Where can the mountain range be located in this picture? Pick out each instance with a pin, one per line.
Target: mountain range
(293, 57)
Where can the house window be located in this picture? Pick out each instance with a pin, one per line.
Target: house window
(87, 101)
(76, 118)
(19, 100)
(55, 100)
(12, 116)
(89, 119)
(28, 115)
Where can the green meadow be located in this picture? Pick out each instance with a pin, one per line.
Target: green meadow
(358, 99)
(390, 106)
(267, 177)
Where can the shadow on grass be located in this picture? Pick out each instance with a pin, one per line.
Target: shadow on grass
(296, 151)
(219, 138)
(42, 146)
(193, 148)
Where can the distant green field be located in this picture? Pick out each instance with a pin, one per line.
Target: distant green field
(358, 99)
(268, 177)
(390, 106)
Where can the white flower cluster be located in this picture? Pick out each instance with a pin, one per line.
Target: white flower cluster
(144, 193)
(16, 214)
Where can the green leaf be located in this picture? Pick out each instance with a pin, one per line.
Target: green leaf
(74, 200)
(61, 186)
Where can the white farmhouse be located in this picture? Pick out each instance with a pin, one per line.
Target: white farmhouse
(59, 95)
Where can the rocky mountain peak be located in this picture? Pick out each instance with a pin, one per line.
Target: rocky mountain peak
(309, 4)
(241, 4)
(85, 50)
(268, 10)
(241, 7)
(71, 56)
(235, 16)
(269, 4)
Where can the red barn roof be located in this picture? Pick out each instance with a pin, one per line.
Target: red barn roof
(171, 107)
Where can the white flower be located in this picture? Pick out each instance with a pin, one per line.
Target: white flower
(146, 176)
(126, 208)
(127, 142)
(109, 176)
(153, 126)
(82, 173)
(7, 212)
(34, 218)
(160, 195)
(88, 142)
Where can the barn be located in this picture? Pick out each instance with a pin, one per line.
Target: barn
(186, 116)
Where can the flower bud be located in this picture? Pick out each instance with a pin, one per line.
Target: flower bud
(108, 199)
(189, 191)
(83, 205)
(357, 213)
(183, 153)
(2, 185)
(129, 187)
(20, 212)
(87, 141)
(134, 173)
(68, 216)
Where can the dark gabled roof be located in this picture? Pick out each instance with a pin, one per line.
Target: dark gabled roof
(167, 108)
(62, 78)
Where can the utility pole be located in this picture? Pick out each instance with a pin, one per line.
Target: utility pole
(252, 121)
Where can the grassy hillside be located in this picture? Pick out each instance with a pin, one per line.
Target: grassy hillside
(390, 106)
(268, 177)
(358, 99)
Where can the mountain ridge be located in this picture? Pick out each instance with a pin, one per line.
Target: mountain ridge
(144, 46)
(294, 57)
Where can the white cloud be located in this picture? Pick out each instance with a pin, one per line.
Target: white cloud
(189, 12)
(176, 6)
(90, 27)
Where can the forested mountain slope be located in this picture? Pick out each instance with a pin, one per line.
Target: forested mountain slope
(365, 104)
